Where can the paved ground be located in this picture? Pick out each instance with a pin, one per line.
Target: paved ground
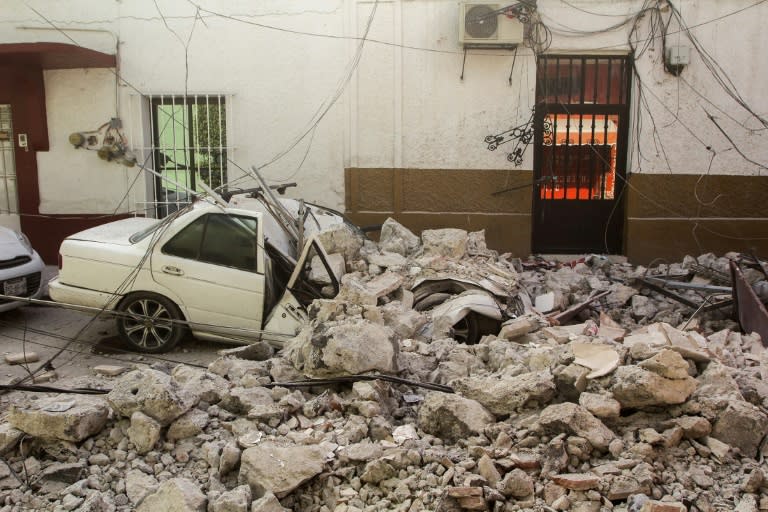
(46, 329)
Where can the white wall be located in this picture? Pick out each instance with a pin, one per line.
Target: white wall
(405, 105)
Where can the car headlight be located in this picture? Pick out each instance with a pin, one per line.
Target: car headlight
(24, 241)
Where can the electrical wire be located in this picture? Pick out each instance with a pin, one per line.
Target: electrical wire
(323, 108)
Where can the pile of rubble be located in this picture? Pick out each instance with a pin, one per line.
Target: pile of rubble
(637, 405)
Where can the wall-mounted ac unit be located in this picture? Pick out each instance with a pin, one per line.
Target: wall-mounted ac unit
(487, 25)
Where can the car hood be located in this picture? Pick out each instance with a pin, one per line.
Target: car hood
(10, 246)
(118, 232)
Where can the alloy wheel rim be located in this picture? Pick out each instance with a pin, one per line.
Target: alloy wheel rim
(150, 324)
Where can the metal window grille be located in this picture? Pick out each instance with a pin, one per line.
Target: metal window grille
(9, 203)
(585, 104)
(189, 145)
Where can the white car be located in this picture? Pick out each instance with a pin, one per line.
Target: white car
(21, 269)
(227, 272)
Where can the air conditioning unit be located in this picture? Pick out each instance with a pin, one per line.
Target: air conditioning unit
(488, 25)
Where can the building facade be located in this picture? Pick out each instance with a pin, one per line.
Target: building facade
(628, 127)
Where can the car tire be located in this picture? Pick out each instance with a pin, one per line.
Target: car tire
(160, 334)
(467, 330)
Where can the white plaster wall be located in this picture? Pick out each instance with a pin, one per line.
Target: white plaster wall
(444, 119)
(76, 180)
(278, 80)
(405, 106)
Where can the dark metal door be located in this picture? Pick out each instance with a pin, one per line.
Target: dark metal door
(581, 127)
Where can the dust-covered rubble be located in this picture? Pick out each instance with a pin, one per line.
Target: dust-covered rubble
(631, 404)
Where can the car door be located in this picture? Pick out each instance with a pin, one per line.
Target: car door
(215, 266)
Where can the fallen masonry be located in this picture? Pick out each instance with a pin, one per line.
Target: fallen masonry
(609, 396)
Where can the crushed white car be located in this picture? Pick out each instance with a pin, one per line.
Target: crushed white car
(21, 269)
(236, 271)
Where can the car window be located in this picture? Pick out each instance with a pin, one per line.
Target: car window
(227, 240)
(230, 241)
(186, 243)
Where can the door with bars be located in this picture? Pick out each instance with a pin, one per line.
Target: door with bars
(9, 201)
(581, 127)
(189, 147)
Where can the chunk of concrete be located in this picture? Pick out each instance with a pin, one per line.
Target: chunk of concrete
(196, 381)
(176, 494)
(668, 364)
(636, 387)
(109, 370)
(576, 481)
(452, 417)
(268, 503)
(276, 468)
(152, 392)
(144, 432)
(448, 242)
(741, 425)
(236, 500)
(240, 400)
(319, 274)
(602, 406)
(356, 291)
(576, 420)
(516, 484)
(187, 425)
(694, 427)
(600, 358)
(512, 329)
(505, 395)
(139, 485)
(345, 349)
(342, 239)
(387, 259)
(394, 237)
(66, 417)
(22, 358)
(9, 437)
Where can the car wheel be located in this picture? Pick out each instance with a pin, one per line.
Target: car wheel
(467, 330)
(148, 323)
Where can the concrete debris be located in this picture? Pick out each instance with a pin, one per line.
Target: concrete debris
(138, 485)
(144, 432)
(9, 437)
(449, 243)
(396, 238)
(635, 387)
(152, 392)
(319, 274)
(62, 417)
(631, 404)
(236, 500)
(109, 370)
(341, 239)
(503, 396)
(177, 494)
(574, 419)
(344, 349)
(279, 469)
(452, 417)
(22, 358)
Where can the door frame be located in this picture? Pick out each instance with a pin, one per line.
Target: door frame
(615, 212)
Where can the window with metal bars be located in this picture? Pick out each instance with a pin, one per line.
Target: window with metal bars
(584, 100)
(189, 147)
